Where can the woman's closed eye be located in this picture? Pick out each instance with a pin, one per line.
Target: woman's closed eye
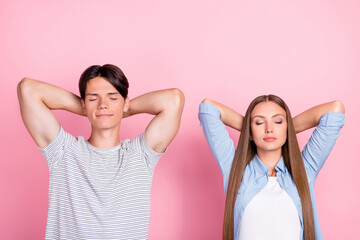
(278, 120)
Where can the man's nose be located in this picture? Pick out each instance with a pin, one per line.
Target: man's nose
(102, 104)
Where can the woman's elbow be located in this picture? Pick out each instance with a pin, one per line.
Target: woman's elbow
(206, 100)
(337, 106)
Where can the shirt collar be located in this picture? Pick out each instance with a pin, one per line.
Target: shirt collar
(280, 166)
(259, 165)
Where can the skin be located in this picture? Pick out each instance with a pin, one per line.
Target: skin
(104, 107)
(269, 132)
(36, 99)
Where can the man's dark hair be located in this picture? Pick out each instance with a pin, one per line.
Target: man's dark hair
(108, 71)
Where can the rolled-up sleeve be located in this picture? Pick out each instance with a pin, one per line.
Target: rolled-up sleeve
(220, 143)
(322, 140)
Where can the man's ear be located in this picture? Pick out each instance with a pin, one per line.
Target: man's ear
(83, 106)
(126, 104)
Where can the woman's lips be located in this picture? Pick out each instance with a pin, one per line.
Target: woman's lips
(269, 139)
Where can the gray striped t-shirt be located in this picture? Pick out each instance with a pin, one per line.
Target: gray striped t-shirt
(99, 193)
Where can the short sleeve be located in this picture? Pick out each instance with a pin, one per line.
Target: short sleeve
(54, 151)
(220, 143)
(149, 156)
(321, 142)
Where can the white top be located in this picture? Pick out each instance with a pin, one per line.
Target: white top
(271, 214)
(99, 193)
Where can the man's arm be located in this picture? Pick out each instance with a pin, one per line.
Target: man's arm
(167, 105)
(36, 99)
(229, 116)
(311, 117)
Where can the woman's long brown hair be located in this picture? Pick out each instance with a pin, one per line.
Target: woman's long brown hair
(245, 152)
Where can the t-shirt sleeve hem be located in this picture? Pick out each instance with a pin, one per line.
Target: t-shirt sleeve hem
(54, 142)
(151, 152)
(53, 152)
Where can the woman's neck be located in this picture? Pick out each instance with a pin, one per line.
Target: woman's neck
(270, 159)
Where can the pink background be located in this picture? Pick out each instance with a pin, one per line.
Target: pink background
(232, 51)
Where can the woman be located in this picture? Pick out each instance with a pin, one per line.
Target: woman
(269, 184)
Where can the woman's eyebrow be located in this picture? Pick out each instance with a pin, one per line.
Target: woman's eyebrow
(279, 114)
(276, 115)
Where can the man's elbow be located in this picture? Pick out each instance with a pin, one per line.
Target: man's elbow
(178, 98)
(337, 106)
(23, 86)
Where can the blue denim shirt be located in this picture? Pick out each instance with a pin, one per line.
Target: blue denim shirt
(255, 175)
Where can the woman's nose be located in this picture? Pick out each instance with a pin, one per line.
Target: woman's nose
(269, 128)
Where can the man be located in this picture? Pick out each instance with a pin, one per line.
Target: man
(99, 188)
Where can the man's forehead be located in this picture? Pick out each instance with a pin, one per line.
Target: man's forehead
(96, 93)
(99, 82)
(101, 89)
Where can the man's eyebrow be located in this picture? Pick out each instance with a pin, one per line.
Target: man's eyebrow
(96, 94)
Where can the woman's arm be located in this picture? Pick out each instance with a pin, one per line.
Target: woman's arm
(211, 115)
(311, 117)
(229, 116)
(36, 99)
(328, 118)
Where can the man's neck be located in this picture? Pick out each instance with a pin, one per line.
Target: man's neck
(104, 138)
(270, 159)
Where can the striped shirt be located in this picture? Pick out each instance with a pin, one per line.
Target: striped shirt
(97, 193)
